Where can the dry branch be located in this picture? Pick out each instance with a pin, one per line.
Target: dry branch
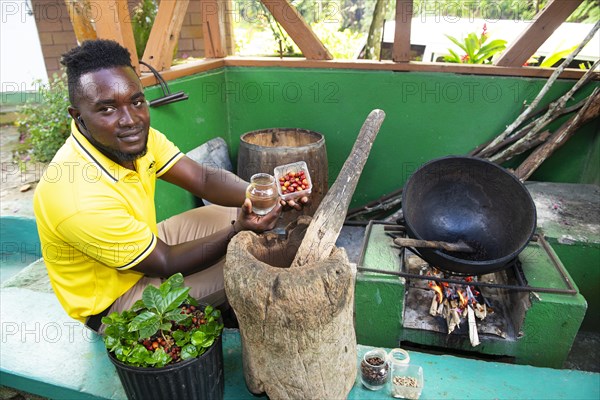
(524, 131)
(525, 115)
(590, 111)
(554, 108)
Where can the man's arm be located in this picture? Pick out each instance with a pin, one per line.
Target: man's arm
(199, 254)
(215, 185)
(218, 186)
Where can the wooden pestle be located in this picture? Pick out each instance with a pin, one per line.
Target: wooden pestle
(328, 220)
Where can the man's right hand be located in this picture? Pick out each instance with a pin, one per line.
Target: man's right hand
(247, 220)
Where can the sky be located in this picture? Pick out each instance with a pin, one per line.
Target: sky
(21, 60)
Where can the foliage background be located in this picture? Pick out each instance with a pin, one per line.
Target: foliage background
(44, 124)
(345, 24)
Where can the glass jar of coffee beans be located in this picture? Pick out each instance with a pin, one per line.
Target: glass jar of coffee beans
(374, 369)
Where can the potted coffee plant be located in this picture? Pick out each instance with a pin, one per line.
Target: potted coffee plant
(167, 345)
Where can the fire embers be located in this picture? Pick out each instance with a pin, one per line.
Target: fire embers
(455, 302)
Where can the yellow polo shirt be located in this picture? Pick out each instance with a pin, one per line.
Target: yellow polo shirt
(97, 219)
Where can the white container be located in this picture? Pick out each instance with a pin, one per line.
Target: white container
(283, 170)
(406, 381)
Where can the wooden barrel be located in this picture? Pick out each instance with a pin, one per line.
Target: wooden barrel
(263, 150)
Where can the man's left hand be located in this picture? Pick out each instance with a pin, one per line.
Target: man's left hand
(297, 204)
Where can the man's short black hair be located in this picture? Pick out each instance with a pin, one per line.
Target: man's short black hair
(91, 56)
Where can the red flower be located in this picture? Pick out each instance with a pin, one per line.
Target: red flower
(464, 58)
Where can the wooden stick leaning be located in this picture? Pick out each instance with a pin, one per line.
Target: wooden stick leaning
(326, 225)
(556, 106)
(590, 111)
(523, 117)
(522, 132)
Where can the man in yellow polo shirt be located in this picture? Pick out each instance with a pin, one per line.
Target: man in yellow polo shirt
(94, 206)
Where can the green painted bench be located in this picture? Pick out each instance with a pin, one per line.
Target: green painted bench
(46, 353)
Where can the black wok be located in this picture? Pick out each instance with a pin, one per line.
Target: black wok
(469, 199)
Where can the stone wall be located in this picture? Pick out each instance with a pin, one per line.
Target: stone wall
(57, 36)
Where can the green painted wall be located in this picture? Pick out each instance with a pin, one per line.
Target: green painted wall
(188, 124)
(429, 115)
(591, 173)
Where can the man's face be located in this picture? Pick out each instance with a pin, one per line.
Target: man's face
(114, 112)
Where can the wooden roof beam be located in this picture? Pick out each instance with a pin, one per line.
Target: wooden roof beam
(82, 26)
(544, 24)
(165, 34)
(213, 28)
(114, 23)
(404, 14)
(293, 23)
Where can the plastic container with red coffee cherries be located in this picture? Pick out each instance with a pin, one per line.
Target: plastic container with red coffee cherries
(295, 178)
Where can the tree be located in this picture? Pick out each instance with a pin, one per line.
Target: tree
(373, 47)
(518, 10)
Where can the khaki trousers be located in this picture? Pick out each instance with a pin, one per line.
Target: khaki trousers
(207, 285)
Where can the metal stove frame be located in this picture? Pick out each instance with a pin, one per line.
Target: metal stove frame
(522, 286)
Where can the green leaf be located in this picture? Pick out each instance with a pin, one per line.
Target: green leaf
(490, 49)
(138, 355)
(471, 44)
(147, 323)
(166, 326)
(556, 57)
(165, 288)
(191, 301)
(176, 281)
(179, 335)
(152, 298)
(188, 351)
(198, 338)
(111, 343)
(176, 316)
(458, 43)
(138, 305)
(174, 299)
(158, 358)
(453, 57)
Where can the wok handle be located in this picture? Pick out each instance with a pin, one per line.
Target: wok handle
(459, 246)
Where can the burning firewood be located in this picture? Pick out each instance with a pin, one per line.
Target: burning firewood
(473, 335)
(480, 311)
(453, 320)
(456, 302)
(441, 309)
(434, 306)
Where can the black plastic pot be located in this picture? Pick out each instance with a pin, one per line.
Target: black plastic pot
(198, 378)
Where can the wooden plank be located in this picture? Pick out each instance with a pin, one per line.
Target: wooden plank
(183, 70)
(293, 23)
(79, 10)
(113, 22)
(213, 28)
(404, 14)
(544, 24)
(165, 34)
(387, 65)
(192, 68)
